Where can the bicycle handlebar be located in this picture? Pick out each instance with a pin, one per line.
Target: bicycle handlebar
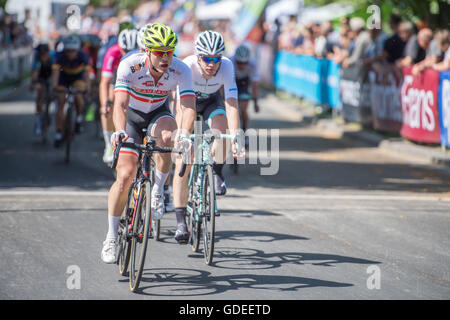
(210, 136)
(146, 147)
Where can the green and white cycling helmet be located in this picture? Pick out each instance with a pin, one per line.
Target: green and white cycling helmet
(159, 35)
(127, 39)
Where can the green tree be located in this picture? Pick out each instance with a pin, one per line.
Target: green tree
(435, 13)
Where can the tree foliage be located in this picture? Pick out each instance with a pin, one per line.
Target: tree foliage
(435, 13)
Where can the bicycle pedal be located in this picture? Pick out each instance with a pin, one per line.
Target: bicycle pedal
(183, 241)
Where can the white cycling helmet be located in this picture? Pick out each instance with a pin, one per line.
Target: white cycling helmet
(242, 54)
(128, 39)
(72, 42)
(141, 35)
(209, 43)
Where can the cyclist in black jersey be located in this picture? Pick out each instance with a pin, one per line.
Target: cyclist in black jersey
(70, 69)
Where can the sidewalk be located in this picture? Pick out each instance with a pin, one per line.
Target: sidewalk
(296, 108)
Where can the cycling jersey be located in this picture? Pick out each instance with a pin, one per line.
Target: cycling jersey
(102, 51)
(44, 69)
(111, 61)
(250, 71)
(245, 77)
(129, 53)
(206, 88)
(71, 68)
(133, 77)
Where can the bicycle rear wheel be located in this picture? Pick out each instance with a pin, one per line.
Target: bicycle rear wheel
(208, 215)
(124, 232)
(139, 240)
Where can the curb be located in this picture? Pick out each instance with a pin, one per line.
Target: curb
(15, 90)
(354, 131)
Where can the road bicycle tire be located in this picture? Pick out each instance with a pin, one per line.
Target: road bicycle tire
(208, 215)
(193, 224)
(156, 229)
(69, 132)
(139, 240)
(124, 240)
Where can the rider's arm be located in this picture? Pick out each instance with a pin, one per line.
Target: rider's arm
(121, 100)
(254, 78)
(55, 76)
(104, 91)
(187, 101)
(230, 96)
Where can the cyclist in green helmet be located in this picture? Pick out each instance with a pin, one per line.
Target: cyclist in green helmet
(144, 82)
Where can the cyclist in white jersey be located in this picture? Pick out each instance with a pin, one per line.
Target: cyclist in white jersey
(144, 81)
(246, 77)
(210, 71)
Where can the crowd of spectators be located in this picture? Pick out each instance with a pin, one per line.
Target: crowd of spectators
(351, 43)
(13, 33)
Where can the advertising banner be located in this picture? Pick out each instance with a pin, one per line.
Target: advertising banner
(355, 95)
(419, 96)
(444, 108)
(299, 75)
(385, 85)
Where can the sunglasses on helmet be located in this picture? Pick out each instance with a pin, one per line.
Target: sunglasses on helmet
(211, 59)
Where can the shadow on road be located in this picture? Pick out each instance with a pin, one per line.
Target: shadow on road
(192, 282)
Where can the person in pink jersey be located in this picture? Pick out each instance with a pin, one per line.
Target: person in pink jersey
(126, 42)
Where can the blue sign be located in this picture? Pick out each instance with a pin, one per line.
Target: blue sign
(444, 107)
(308, 77)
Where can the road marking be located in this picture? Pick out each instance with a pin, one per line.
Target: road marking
(256, 194)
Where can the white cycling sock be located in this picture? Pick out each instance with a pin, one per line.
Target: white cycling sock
(113, 227)
(160, 180)
(80, 118)
(107, 137)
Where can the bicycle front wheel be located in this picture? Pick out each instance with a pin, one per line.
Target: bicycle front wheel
(208, 215)
(125, 231)
(193, 221)
(139, 239)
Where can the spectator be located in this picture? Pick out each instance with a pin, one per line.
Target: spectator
(326, 40)
(307, 45)
(342, 49)
(374, 52)
(416, 48)
(394, 45)
(287, 35)
(443, 40)
(362, 42)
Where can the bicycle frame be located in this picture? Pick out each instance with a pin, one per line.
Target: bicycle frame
(203, 152)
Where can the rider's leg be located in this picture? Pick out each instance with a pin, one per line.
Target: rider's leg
(118, 193)
(163, 128)
(79, 85)
(40, 96)
(107, 124)
(218, 123)
(61, 98)
(117, 199)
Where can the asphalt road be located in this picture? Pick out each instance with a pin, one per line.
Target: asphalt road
(336, 219)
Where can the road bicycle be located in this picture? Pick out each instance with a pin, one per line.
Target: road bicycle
(69, 120)
(137, 224)
(202, 205)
